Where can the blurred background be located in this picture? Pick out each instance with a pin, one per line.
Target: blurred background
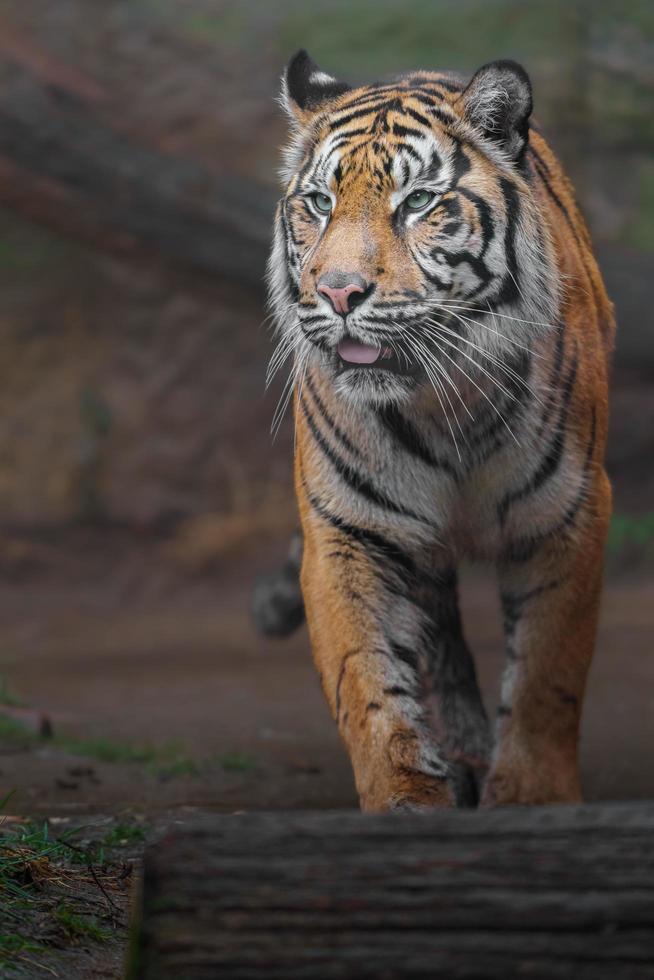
(140, 492)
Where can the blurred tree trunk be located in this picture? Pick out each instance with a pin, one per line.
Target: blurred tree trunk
(65, 163)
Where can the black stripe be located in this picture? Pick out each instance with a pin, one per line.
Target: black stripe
(543, 172)
(461, 163)
(344, 140)
(407, 148)
(333, 425)
(411, 439)
(388, 550)
(339, 121)
(431, 276)
(523, 549)
(510, 406)
(514, 603)
(342, 137)
(405, 654)
(573, 510)
(552, 458)
(376, 96)
(444, 118)
(485, 216)
(429, 99)
(509, 290)
(554, 377)
(450, 205)
(418, 116)
(351, 477)
(287, 230)
(307, 321)
(477, 265)
(318, 337)
(404, 131)
(398, 692)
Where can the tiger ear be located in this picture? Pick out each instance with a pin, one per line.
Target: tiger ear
(305, 88)
(498, 102)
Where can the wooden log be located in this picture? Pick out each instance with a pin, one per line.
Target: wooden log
(543, 892)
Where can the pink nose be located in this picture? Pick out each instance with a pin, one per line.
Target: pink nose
(340, 297)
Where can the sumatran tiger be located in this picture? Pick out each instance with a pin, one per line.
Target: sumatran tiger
(434, 282)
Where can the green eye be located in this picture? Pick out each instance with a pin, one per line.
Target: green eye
(322, 202)
(419, 200)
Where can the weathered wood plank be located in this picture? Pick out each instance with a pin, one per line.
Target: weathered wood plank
(542, 892)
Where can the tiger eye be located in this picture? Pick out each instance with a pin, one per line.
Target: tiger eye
(322, 202)
(419, 200)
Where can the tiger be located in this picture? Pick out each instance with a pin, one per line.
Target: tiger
(432, 282)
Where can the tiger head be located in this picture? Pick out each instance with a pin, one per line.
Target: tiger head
(408, 244)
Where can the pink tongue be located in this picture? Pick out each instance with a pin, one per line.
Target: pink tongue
(358, 353)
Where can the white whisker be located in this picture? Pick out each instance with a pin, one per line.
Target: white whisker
(284, 349)
(462, 305)
(300, 386)
(484, 326)
(297, 372)
(502, 365)
(438, 388)
(473, 382)
(445, 374)
(435, 334)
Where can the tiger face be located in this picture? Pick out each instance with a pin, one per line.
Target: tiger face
(407, 238)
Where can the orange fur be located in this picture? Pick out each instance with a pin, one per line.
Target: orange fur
(366, 568)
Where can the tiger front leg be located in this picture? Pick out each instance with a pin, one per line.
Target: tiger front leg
(551, 603)
(369, 679)
(381, 653)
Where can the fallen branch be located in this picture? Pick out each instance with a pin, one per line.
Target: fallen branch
(64, 164)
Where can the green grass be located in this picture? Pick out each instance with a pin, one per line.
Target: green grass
(105, 750)
(78, 928)
(53, 891)
(124, 834)
(7, 696)
(18, 956)
(24, 846)
(13, 731)
(631, 536)
(237, 762)
(27, 853)
(176, 766)
(168, 761)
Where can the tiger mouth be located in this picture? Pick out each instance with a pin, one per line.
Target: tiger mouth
(351, 354)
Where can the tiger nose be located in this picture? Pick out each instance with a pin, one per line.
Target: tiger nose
(343, 290)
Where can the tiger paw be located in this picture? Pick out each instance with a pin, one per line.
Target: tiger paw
(531, 787)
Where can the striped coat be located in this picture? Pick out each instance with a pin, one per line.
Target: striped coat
(433, 283)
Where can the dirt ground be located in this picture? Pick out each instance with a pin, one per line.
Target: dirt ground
(162, 700)
(102, 634)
